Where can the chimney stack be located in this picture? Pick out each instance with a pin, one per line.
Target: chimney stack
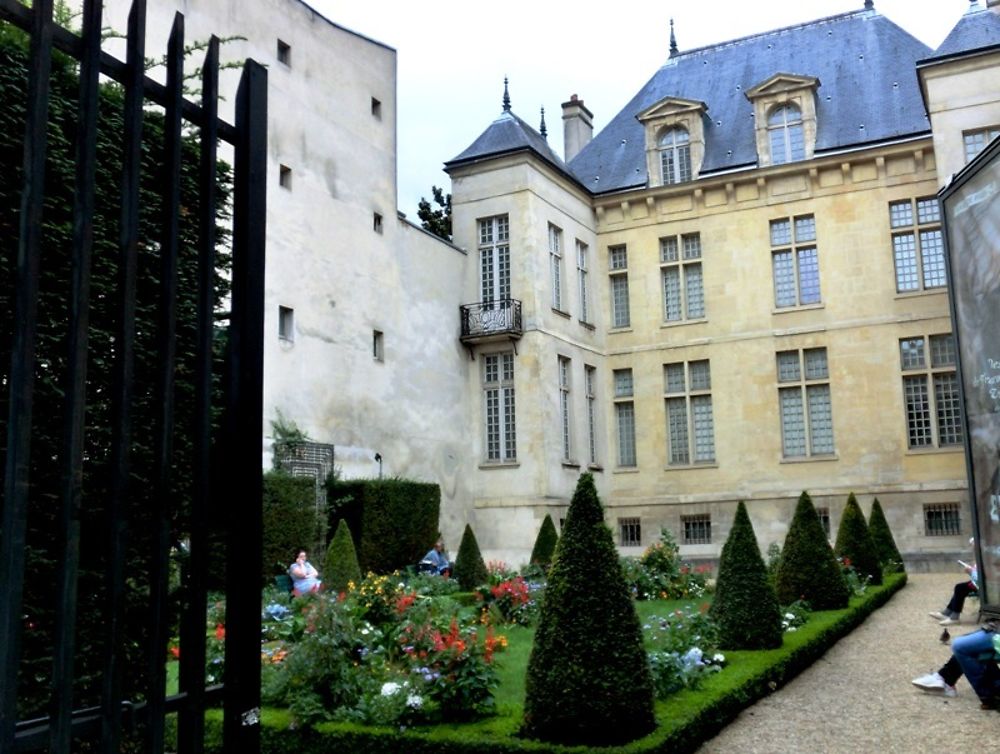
(578, 127)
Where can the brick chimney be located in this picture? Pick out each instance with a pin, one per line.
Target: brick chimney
(578, 127)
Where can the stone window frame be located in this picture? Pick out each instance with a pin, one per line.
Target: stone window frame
(776, 91)
(667, 114)
(931, 400)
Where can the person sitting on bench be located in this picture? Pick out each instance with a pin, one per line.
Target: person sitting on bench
(305, 578)
(436, 561)
(952, 614)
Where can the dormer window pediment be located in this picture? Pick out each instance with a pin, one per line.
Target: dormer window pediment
(675, 139)
(784, 118)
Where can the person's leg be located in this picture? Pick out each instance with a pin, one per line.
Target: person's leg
(967, 650)
(942, 681)
(951, 671)
(957, 602)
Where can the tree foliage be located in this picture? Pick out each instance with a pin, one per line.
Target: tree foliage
(808, 569)
(341, 564)
(745, 607)
(545, 544)
(854, 543)
(588, 678)
(885, 544)
(470, 570)
(436, 221)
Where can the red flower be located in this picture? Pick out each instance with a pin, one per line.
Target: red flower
(220, 631)
(175, 652)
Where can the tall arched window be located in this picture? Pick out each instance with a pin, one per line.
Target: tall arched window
(675, 156)
(784, 126)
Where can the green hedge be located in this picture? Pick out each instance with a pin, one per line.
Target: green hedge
(394, 521)
(686, 720)
(289, 522)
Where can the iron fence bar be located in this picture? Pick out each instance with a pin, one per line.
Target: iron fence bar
(122, 391)
(166, 349)
(66, 41)
(17, 462)
(191, 723)
(245, 418)
(76, 381)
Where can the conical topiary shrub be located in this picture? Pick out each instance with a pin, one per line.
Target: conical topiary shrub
(745, 607)
(588, 678)
(341, 564)
(854, 543)
(885, 545)
(470, 570)
(545, 543)
(808, 569)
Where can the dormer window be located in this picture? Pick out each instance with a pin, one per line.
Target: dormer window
(784, 109)
(785, 134)
(675, 140)
(675, 156)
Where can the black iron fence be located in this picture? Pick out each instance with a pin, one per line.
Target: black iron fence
(224, 434)
(485, 319)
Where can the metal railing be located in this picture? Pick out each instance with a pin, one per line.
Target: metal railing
(485, 319)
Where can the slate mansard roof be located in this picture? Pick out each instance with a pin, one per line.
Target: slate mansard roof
(866, 69)
(978, 31)
(506, 135)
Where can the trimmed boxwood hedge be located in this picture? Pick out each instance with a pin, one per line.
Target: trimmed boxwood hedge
(289, 513)
(686, 720)
(394, 521)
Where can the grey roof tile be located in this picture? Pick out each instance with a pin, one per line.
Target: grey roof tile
(865, 65)
(977, 29)
(507, 134)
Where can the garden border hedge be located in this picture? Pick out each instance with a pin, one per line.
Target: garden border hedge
(683, 724)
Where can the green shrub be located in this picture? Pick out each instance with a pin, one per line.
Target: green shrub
(588, 678)
(854, 543)
(808, 569)
(545, 543)
(885, 545)
(745, 607)
(470, 570)
(341, 560)
(394, 521)
(289, 512)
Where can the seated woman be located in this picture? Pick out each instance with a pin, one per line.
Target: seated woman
(436, 561)
(975, 656)
(952, 614)
(305, 578)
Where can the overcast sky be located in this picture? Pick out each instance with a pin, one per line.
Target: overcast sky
(453, 56)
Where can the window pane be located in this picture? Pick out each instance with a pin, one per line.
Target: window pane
(692, 246)
(677, 430)
(704, 429)
(781, 232)
(918, 412)
(510, 442)
(697, 529)
(701, 378)
(932, 254)
(623, 383)
(675, 378)
(942, 350)
(618, 257)
(816, 368)
(507, 361)
(493, 424)
(683, 163)
(900, 214)
(619, 301)
(793, 426)
(820, 419)
(805, 229)
(779, 153)
(694, 292)
(942, 520)
(503, 228)
(626, 433)
(928, 211)
(949, 416)
(904, 252)
(808, 276)
(796, 142)
(788, 366)
(784, 279)
(671, 294)
(911, 353)
(668, 249)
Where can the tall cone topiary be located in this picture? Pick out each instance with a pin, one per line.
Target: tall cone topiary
(545, 543)
(808, 569)
(854, 543)
(588, 679)
(885, 545)
(341, 564)
(470, 570)
(745, 607)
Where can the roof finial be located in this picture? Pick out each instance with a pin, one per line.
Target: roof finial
(673, 39)
(506, 96)
(869, 4)
(543, 130)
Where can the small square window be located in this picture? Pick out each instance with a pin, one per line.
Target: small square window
(286, 323)
(623, 383)
(284, 53)
(377, 222)
(378, 346)
(942, 520)
(376, 108)
(285, 177)
(697, 529)
(630, 532)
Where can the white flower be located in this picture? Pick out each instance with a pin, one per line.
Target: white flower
(414, 701)
(792, 628)
(719, 658)
(389, 688)
(789, 616)
(402, 585)
(365, 631)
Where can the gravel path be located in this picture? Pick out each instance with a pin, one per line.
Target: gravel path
(857, 698)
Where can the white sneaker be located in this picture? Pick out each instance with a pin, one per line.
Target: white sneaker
(937, 616)
(950, 691)
(950, 622)
(932, 682)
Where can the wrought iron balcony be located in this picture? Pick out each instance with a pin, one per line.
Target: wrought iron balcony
(489, 320)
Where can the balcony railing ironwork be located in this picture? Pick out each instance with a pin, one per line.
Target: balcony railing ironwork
(487, 319)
